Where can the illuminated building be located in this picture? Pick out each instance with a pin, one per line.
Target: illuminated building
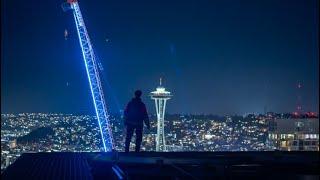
(13, 144)
(295, 134)
(174, 148)
(160, 97)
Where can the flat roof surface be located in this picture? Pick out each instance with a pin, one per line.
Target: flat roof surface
(166, 165)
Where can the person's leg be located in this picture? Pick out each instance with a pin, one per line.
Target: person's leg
(138, 138)
(128, 137)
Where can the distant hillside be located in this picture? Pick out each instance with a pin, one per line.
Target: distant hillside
(36, 135)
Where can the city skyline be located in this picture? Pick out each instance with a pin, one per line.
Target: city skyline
(43, 132)
(218, 57)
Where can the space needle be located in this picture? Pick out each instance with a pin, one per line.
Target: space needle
(160, 97)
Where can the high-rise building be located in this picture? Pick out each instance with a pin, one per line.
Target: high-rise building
(294, 134)
(160, 97)
(8, 160)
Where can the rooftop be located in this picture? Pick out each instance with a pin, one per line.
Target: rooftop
(173, 165)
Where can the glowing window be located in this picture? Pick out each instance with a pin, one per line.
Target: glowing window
(307, 136)
(291, 136)
(283, 143)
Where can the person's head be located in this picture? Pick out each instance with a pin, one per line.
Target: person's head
(138, 93)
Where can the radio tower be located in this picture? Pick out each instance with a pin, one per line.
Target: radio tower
(93, 75)
(160, 97)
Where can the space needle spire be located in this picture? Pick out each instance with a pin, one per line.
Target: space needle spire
(160, 97)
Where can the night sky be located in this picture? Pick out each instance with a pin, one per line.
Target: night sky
(219, 57)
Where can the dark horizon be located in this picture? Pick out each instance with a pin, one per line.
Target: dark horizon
(216, 57)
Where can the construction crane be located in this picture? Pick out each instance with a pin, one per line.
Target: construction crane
(93, 75)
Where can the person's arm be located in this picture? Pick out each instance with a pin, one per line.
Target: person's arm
(146, 117)
(125, 114)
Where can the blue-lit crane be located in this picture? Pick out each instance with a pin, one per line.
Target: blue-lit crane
(93, 75)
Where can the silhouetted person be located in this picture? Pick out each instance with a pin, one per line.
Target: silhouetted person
(134, 116)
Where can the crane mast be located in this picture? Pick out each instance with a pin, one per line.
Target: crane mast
(93, 76)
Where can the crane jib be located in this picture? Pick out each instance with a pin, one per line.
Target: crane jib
(93, 76)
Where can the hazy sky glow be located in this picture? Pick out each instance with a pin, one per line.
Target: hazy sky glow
(226, 56)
